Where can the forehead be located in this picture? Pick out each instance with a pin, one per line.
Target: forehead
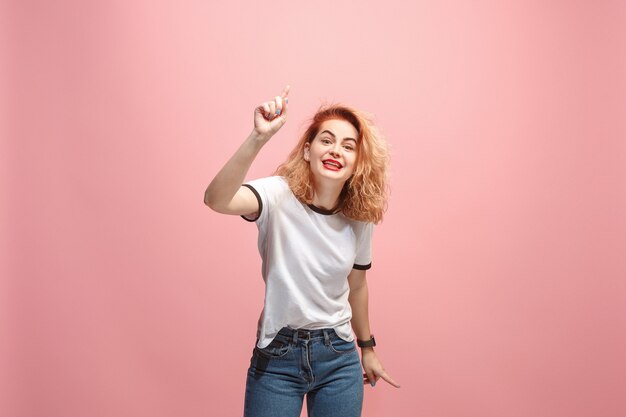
(340, 128)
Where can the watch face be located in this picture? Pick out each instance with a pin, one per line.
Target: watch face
(367, 343)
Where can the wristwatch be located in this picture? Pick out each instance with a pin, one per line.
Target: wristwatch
(366, 343)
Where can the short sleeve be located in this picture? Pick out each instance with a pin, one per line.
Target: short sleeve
(266, 191)
(363, 259)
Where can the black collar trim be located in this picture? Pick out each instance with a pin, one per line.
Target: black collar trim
(323, 211)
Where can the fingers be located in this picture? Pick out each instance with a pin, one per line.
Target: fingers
(371, 379)
(266, 110)
(284, 98)
(281, 105)
(272, 112)
(285, 91)
(277, 107)
(387, 378)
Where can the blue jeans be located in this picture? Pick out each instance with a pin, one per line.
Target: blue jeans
(315, 363)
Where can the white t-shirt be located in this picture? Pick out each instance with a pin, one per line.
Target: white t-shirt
(307, 254)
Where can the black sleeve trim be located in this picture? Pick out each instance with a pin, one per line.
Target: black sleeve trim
(362, 267)
(258, 198)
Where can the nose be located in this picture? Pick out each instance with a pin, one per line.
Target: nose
(335, 150)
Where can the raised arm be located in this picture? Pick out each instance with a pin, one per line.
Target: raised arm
(225, 193)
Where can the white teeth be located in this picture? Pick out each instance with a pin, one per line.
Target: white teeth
(331, 163)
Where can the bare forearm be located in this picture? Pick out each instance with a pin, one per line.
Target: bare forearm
(360, 324)
(228, 180)
(360, 319)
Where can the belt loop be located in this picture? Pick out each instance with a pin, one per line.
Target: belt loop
(326, 338)
(295, 337)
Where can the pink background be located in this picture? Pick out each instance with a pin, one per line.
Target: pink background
(498, 286)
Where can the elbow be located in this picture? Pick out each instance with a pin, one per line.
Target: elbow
(214, 204)
(209, 201)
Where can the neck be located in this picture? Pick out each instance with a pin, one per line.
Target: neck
(326, 196)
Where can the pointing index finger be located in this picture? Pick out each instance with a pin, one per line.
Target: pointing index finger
(285, 91)
(387, 378)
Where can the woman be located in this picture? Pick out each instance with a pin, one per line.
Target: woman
(315, 220)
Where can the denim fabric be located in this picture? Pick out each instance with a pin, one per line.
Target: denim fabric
(315, 363)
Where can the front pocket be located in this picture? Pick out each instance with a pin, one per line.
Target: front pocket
(276, 349)
(340, 346)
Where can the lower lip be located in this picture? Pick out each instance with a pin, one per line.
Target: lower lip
(330, 167)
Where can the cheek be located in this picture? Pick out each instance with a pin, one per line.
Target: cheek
(352, 159)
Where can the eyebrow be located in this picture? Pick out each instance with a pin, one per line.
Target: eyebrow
(333, 135)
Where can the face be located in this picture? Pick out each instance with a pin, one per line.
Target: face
(332, 153)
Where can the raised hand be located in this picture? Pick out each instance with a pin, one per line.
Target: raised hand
(270, 116)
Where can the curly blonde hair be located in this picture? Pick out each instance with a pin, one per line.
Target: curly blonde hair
(364, 195)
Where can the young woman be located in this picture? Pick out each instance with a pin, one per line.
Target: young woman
(315, 219)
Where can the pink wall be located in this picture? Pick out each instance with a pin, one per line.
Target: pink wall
(498, 286)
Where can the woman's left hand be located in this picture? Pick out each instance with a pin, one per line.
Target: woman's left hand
(374, 369)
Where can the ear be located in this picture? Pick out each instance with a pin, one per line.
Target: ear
(307, 147)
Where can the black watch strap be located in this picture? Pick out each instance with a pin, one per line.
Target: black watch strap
(366, 343)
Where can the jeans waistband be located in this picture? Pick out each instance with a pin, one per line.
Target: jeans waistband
(304, 334)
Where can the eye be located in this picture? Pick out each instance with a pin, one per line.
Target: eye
(348, 147)
(326, 141)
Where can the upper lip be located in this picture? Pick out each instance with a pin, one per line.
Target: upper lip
(334, 161)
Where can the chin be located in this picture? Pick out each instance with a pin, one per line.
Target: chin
(332, 176)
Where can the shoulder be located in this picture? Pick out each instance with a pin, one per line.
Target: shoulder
(363, 230)
(269, 182)
(358, 225)
(269, 190)
(360, 229)
(268, 185)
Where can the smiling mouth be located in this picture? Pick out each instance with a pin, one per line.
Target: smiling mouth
(332, 164)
